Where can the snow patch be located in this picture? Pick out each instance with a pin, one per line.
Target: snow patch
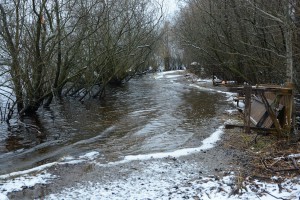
(202, 88)
(207, 143)
(25, 172)
(229, 95)
(204, 80)
(65, 160)
(173, 76)
(165, 74)
(155, 180)
(90, 156)
(178, 180)
(230, 112)
(17, 181)
(26, 181)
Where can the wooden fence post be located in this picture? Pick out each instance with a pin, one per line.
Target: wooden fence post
(290, 109)
(247, 109)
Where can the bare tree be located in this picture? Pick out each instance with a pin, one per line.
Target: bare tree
(250, 40)
(73, 47)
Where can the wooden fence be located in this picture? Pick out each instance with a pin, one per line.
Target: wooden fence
(269, 108)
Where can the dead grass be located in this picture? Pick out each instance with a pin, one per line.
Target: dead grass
(265, 154)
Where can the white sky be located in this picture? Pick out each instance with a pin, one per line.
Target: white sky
(170, 6)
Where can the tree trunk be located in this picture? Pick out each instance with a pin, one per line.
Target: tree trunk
(59, 56)
(289, 54)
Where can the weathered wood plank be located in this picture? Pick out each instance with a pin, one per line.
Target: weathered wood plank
(271, 113)
(247, 110)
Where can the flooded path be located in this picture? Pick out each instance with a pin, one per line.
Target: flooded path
(155, 113)
(150, 115)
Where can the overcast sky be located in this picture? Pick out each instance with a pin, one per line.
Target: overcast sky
(170, 6)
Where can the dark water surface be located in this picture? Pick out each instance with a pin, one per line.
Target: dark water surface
(154, 113)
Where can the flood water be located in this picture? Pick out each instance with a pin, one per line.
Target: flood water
(153, 113)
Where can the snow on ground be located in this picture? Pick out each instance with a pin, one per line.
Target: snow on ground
(167, 74)
(231, 112)
(25, 181)
(156, 179)
(17, 181)
(164, 180)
